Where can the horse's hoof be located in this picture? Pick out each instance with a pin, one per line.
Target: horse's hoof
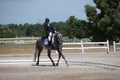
(54, 65)
(37, 64)
(57, 64)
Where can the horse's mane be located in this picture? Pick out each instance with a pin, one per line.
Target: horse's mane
(58, 39)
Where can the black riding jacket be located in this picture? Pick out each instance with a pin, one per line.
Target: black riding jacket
(48, 29)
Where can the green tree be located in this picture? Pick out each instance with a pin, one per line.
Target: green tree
(76, 28)
(104, 20)
(5, 31)
(71, 27)
(60, 27)
(82, 30)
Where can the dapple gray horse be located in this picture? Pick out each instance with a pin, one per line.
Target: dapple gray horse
(57, 43)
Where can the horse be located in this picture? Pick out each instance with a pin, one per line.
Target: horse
(57, 43)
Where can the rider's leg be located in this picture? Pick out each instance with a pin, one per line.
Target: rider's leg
(50, 38)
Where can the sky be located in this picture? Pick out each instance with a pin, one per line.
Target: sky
(35, 11)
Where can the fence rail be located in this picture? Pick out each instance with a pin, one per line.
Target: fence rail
(24, 40)
(81, 45)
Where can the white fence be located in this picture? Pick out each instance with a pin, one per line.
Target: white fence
(116, 46)
(82, 47)
(24, 40)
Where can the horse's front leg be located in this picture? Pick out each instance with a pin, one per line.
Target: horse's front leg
(59, 56)
(64, 59)
(49, 55)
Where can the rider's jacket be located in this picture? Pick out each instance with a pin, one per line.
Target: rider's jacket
(48, 28)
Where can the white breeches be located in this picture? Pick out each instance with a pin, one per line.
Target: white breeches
(50, 36)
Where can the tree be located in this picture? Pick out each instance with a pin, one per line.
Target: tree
(76, 28)
(60, 27)
(104, 20)
(5, 31)
(82, 30)
(71, 27)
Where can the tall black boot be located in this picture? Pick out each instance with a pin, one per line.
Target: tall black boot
(49, 43)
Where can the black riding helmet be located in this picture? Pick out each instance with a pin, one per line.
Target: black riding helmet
(47, 20)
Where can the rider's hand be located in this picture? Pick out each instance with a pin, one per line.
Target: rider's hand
(54, 31)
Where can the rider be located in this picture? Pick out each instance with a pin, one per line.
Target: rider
(49, 30)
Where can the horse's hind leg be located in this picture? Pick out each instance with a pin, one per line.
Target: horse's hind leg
(49, 55)
(37, 63)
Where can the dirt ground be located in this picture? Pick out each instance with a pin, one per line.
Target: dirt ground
(93, 66)
(73, 72)
(15, 64)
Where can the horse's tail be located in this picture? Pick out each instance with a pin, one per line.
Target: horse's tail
(37, 49)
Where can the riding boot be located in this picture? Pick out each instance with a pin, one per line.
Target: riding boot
(49, 43)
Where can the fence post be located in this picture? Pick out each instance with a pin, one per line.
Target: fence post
(108, 50)
(16, 40)
(114, 46)
(82, 48)
(33, 39)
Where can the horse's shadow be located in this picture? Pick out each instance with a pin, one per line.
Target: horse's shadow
(45, 65)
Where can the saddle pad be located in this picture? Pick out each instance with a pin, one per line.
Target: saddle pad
(45, 41)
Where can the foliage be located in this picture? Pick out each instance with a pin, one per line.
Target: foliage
(104, 20)
(14, 30)
(71, 28)
(76, 28)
